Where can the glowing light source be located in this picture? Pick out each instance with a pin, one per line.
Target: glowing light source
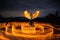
(29, 16)
(37, 31)
(35, 15)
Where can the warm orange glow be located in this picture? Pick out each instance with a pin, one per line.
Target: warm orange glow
(28, 32)
(31, 32)
(40, 31)
(35, 15)
(28, 15)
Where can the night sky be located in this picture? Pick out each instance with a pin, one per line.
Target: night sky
(15, 8)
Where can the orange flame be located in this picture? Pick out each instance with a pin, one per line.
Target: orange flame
(27, 14)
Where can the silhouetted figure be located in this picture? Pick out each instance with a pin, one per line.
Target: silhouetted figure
(30, 21)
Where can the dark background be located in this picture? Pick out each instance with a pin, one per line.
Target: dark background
(15, 8)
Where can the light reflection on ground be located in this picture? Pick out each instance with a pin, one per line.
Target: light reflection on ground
(12, 33)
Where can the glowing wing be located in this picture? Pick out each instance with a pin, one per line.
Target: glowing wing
(27, 14)
(35, 15)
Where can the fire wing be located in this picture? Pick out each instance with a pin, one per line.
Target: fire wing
(27, 14)
(35, 15)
